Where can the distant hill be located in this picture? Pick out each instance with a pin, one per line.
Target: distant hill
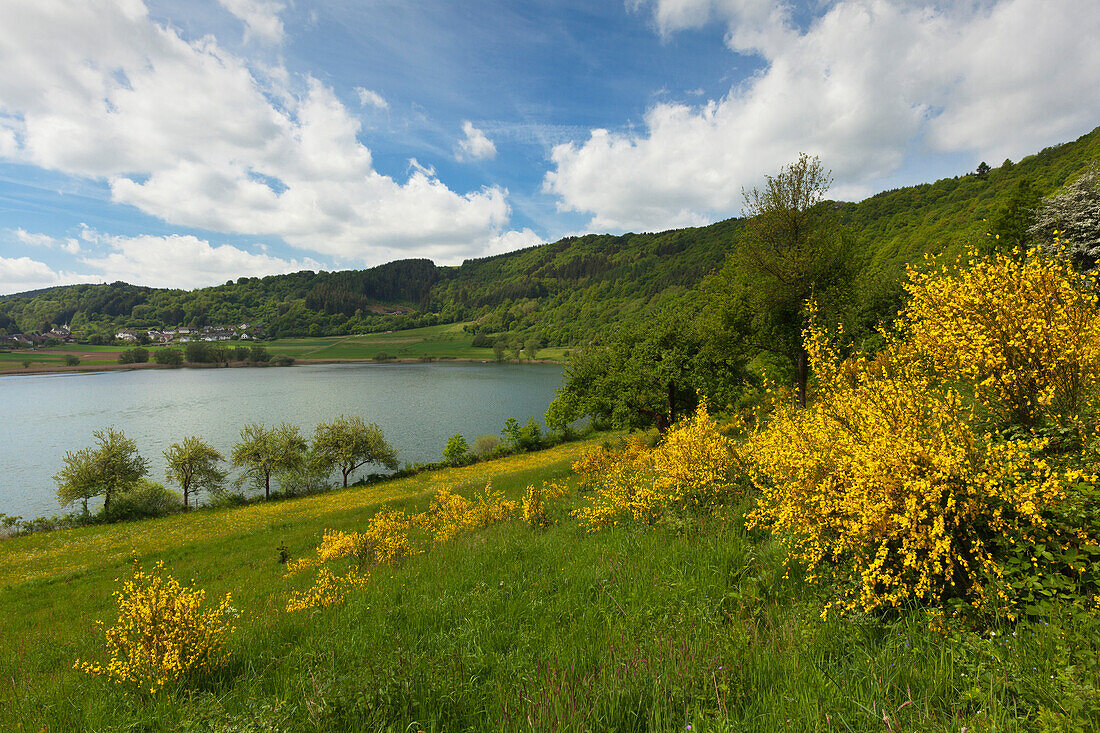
(562, 292)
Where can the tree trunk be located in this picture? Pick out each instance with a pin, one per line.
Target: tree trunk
(267, 486)
(346, 478)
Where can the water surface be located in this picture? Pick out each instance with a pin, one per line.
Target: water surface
(418, 406)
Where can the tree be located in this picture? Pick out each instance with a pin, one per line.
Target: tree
(348, 443)
(192, 465)
(498, 350)
(983, 171)
(790, 252)
(1009, 227)
(457, 449)
(532, 348)
(263, 451)
(1073, 217)
(113, 465)
(168, 355)
(647, 375)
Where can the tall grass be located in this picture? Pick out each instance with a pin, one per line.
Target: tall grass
(699, 626)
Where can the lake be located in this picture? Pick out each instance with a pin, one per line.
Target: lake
(418, 406)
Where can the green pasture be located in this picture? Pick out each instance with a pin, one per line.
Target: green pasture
(436, 342)
(694, 627)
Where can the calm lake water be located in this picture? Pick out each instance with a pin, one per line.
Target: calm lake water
(418, 406)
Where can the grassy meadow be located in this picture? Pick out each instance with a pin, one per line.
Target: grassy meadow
(448, 341)
(694, 626)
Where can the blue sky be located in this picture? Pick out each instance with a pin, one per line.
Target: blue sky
(182, 144)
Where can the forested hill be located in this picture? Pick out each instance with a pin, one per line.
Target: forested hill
(565, 291)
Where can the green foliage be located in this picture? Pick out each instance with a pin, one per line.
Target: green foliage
(193, 466)
(348, 443)
(1072, 217)
(169, 356)
(107, 469)
(457, 451)
(71, 360)
(263, 451)
(486, 446)
(142, 500)
(136, 355)
(647, 375)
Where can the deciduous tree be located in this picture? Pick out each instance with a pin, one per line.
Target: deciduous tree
(263, 451)
(348, 443)
(790, 251)
(113, 465)
(193, 465)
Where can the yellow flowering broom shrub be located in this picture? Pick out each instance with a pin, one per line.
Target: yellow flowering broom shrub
(1025, 333)
(690, 469)
(450, 514)
(893, 479)
(623, 486)
(534, 504)
(163, 633)
(694, 463)
(386, 540)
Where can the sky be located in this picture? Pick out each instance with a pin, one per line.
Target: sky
(184, 143)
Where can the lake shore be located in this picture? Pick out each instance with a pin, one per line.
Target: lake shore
(82, 368)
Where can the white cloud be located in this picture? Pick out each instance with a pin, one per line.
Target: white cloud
(181, 261)
(863, 86)
(190, 133)
(475, 146)
(69, 244)
(371, 98)
(511, 241)
(18, 274)
(260, 18)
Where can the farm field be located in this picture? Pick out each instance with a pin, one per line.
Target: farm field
(448, 341)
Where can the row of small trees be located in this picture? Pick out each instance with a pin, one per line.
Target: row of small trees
(113, 466)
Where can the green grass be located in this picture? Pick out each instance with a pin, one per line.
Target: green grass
(438, 342)
(512, 628)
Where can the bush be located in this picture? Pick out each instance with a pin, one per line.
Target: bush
(282, 360)
(162, 633)
(71, 360)
(136, 355)
(457, 451)
(258, 353)
(899, 482)
(486, 446)
(143, 500)
(169, 356)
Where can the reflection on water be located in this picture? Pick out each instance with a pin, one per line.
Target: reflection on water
(418, 406)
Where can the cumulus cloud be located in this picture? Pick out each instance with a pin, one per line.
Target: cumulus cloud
(19, 274)
(192, 134)
(181, 261)
(69, 244)
(371, 98)
(260, 18)
(862, 85)
(475, 146)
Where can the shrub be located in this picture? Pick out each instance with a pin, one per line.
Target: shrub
(457, 451)
(892, 482)
(1026, 334)
(163, 633)
(385, 541)
(71, 360)
(143, 500)
(486, 445)
(694, 462)
(168, 355)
